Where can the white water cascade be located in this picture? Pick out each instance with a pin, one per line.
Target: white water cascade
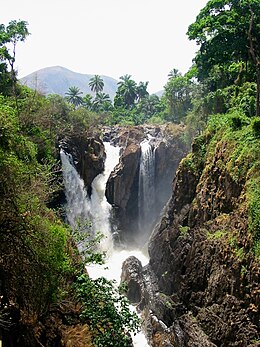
(146, 192)
(77, 209)
(80, 208)
(96, 209)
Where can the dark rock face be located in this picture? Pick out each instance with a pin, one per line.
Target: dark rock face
(88, 155)
(122, 187)
(123, 184)
(197, 289)
(132, 275)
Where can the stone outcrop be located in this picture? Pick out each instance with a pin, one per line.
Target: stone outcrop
(123, 184)
(201, 286)
(88, 155)
(122, 187)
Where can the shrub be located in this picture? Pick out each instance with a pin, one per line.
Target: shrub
(256, 126)
(106, 311)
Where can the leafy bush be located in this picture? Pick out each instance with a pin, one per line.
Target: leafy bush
(106, 311)
(256, 126)
(237, 121)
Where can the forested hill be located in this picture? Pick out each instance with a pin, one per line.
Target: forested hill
(57, 80)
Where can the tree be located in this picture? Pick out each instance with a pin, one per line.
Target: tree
(102, 102)
(174, 73)
(73, 96)
(228, 32)
(254, 48)
(16, 31)
(178, 96)
(141, 90)
(87, 101)
(96, 84)
(126, 93)
(150, 106)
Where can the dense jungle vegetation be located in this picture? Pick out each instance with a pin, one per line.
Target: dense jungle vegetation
(38, 264)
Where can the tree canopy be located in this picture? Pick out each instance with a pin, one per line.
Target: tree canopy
(74, 96)
(228, 34)
(10, 35)
(96, 84)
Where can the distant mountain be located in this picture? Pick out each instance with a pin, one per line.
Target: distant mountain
(57, 80)
(160, 93)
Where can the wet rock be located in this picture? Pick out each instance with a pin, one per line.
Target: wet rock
(88, 154)
(132, 276)
(122, 181)
(123, 185)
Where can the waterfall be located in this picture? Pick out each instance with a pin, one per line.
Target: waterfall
(146, 192)
(96, 209)
(82, 209)
(78, 204)
(100, 209)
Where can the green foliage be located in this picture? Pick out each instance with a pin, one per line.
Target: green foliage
(217, 32)
(126, 93)
(96, 84)
(230, 144)
(178, 96)
(102, 102)
(216, 235)
(195, 160)
(156, 120)
(33, 242)
(10, 35)
(73, 96)
(253, 195)
(215, 124)
(8, 124)
(256, 127)
(227, 32)
(238, 251)
(244, 99)
(87, 243)
(106, 311)
(188, 163)
(184, 230)
(238, 121)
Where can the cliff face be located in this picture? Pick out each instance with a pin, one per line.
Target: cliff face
(203, 273)
(123, 187)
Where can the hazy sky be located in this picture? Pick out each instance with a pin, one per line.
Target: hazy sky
(142, 38)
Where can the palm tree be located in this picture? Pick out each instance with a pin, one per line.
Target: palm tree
(127, 90)
(87, 101)
(73, 96)
(96, 84)
(174, 73)
(142, 90)
(101, 102)
(150, 105)
(123, 80)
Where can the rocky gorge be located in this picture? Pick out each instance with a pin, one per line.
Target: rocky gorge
(201, 286)
(167, 148)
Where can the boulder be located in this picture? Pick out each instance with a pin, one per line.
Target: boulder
(132, 276)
